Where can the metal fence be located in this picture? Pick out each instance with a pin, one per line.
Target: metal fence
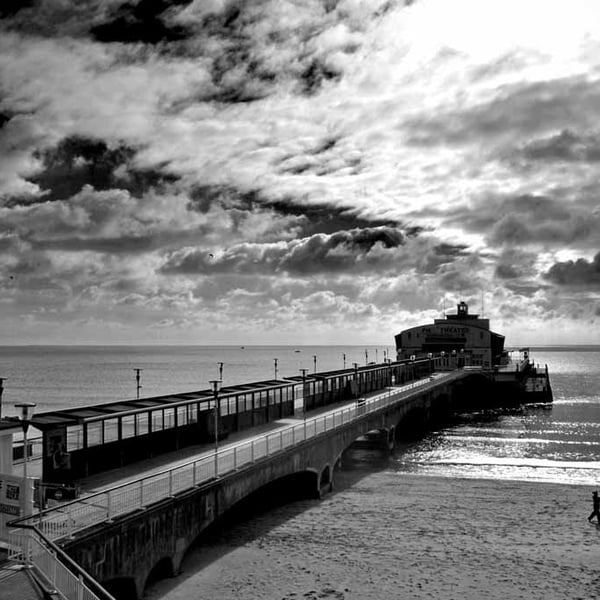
(61, 576)
(67, 519)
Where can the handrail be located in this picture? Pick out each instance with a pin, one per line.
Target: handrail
(68, 518)
(59, 570)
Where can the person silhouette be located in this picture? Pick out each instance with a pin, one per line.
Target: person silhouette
(596, 511)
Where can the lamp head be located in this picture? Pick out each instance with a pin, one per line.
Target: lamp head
(26, 409)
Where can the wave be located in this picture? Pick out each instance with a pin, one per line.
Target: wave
(536, 463)
(522, 440)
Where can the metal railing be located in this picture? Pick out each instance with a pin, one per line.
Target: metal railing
(67, 519)
(61, 575)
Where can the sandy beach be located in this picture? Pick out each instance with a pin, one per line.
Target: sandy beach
(425, 537)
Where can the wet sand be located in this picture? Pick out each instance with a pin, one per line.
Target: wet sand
(390, 535)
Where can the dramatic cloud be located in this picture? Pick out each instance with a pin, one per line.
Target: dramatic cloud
(579, 273)
(217, 170)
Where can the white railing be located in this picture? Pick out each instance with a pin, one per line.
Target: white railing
(67, 519)
(61, 575)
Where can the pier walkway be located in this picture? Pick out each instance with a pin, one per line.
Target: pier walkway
(112, 494)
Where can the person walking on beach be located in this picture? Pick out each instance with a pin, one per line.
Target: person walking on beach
(596, 511)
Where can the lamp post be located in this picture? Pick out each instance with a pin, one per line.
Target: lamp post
(315, 363)
(376, 355)
(26, 414)
(366, 357)
(275, 361)
(2, 380)
(355, 365)
(138, 385)
(216, 383)
(220, 372)
(344, 358)
(304, 371)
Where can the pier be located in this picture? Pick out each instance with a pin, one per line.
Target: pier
(124, 528)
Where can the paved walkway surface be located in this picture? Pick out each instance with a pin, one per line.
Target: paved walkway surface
(164, 462)
(16, 583)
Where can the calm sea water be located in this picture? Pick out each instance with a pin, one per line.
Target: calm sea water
(556, 443)
(559, 443)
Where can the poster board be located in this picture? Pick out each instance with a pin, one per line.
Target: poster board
(16, 500)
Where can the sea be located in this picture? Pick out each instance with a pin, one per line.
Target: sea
(303, 550)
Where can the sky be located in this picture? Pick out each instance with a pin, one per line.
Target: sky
(297, 171)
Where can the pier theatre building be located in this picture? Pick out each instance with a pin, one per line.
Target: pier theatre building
(461, 337)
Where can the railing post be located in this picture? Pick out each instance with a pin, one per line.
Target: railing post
(194, 473)
(54, 567)
(80, 588)
(108, 507)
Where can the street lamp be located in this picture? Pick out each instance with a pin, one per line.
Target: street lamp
(366, 357)
(344, 357)
(315, 362)
(220, 372)
(355, 365)
(304, 371)
(138, 385)
(216, 384)
(275, 361)
(2, 380)
(26, 415)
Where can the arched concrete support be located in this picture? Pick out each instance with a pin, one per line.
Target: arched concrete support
(161, 570)
(326, 480)
(391, 438)
(123, 588)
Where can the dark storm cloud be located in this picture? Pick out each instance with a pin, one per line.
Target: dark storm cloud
(464, 275)
(524, 109)
(530, 219)
(117, 245)
(315, 74)
(308, 218)
(9, 8)
(141, 21)
(78, 161)
(504, 271)
(320, 166)
(565, 146)
(579, 273)
(343, 251)
(442, 254)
